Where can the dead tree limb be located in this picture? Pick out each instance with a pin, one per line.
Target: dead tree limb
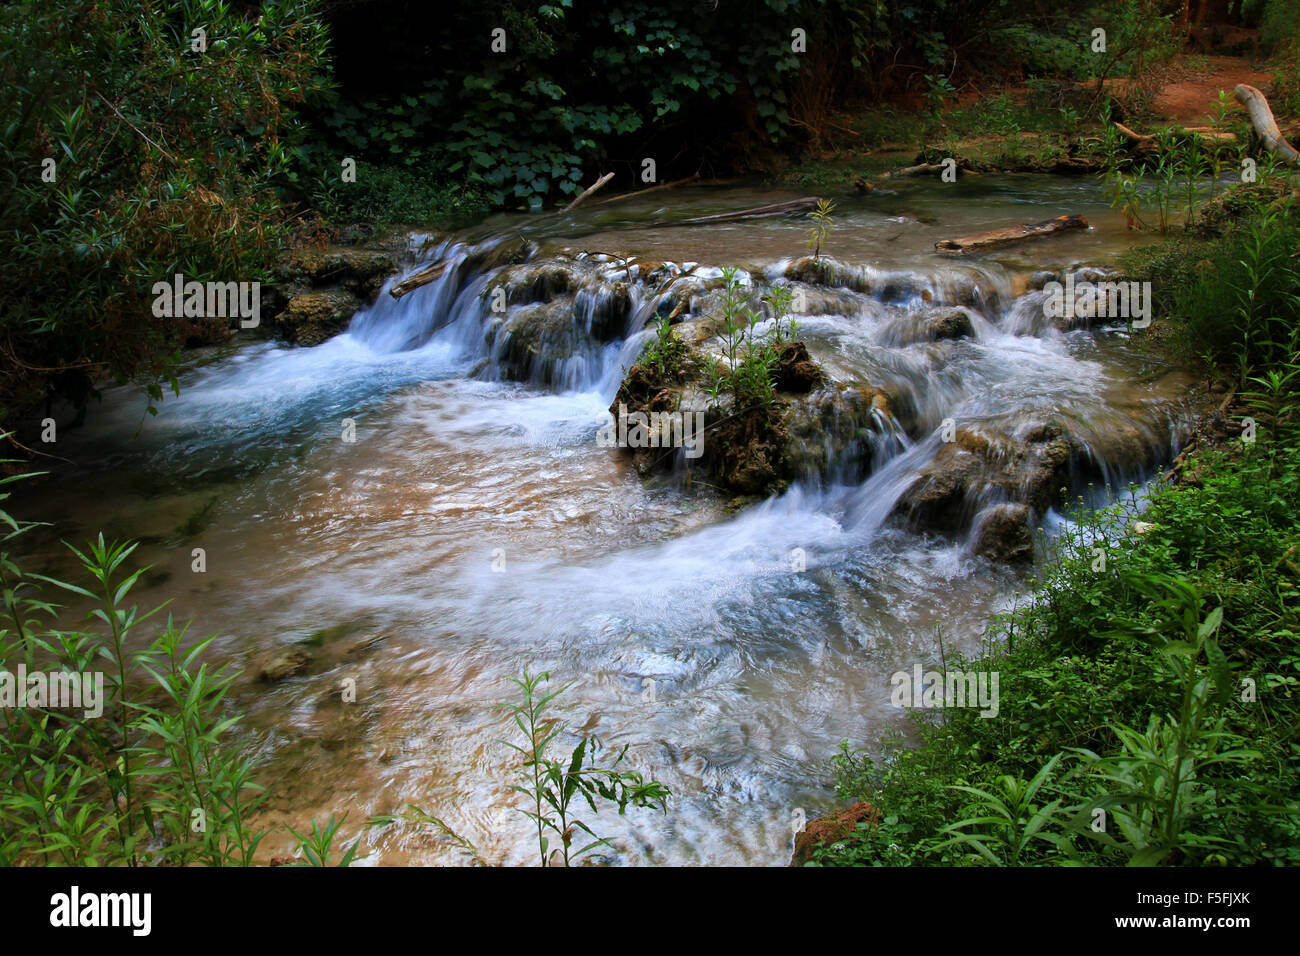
(588, 191)
(1147, 141)
(998, 237)
(642, 192)
(418, 278)
(921, 169)
(139, 131)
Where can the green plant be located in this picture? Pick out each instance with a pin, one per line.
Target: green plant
(551, 785)
(780, 303)
(1009, 819)
(667, 355)
(751, 359)
(1193, 165)
(937, 90)
(202, 788)
(150, 777)
(317, 845)
(821, 227)
(1219, 121)
(1125, 196)
(1156, 786)
(1262, 262)
(419, 817)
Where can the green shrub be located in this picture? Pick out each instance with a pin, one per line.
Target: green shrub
(394, 195)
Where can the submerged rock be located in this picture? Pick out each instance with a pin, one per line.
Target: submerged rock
(282, 663)
(951, 324)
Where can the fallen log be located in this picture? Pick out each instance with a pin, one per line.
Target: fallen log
(1133, 137)
(588, 191)
(806, 204)
(1261, 117)
(998, 237)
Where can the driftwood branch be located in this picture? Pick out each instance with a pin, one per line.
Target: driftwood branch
(1132, 136)
(588, 191)
(1148, 141)
(418, 278)
(806, 204)
(1261, 117)
(642, 192)
(998, 237)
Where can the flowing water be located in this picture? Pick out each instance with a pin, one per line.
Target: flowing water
(474, 529)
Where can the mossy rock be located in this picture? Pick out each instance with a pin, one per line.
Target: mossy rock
(312, 317)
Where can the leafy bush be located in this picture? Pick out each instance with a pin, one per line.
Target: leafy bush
(1279, 26)
(1043, 54)
(165, 160)
(1232, 298)
(150, 779)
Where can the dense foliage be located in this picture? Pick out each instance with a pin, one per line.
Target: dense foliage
(574, 87)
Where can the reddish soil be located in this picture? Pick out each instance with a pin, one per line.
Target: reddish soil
(1189, 95)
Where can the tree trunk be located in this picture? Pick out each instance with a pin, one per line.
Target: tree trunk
(642, 192)
(1261, 117)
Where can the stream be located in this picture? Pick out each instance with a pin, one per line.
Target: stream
(474, 528)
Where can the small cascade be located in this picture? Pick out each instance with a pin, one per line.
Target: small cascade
(374, 487)
(944, 346)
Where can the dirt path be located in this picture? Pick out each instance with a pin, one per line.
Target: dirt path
(1192, 89)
